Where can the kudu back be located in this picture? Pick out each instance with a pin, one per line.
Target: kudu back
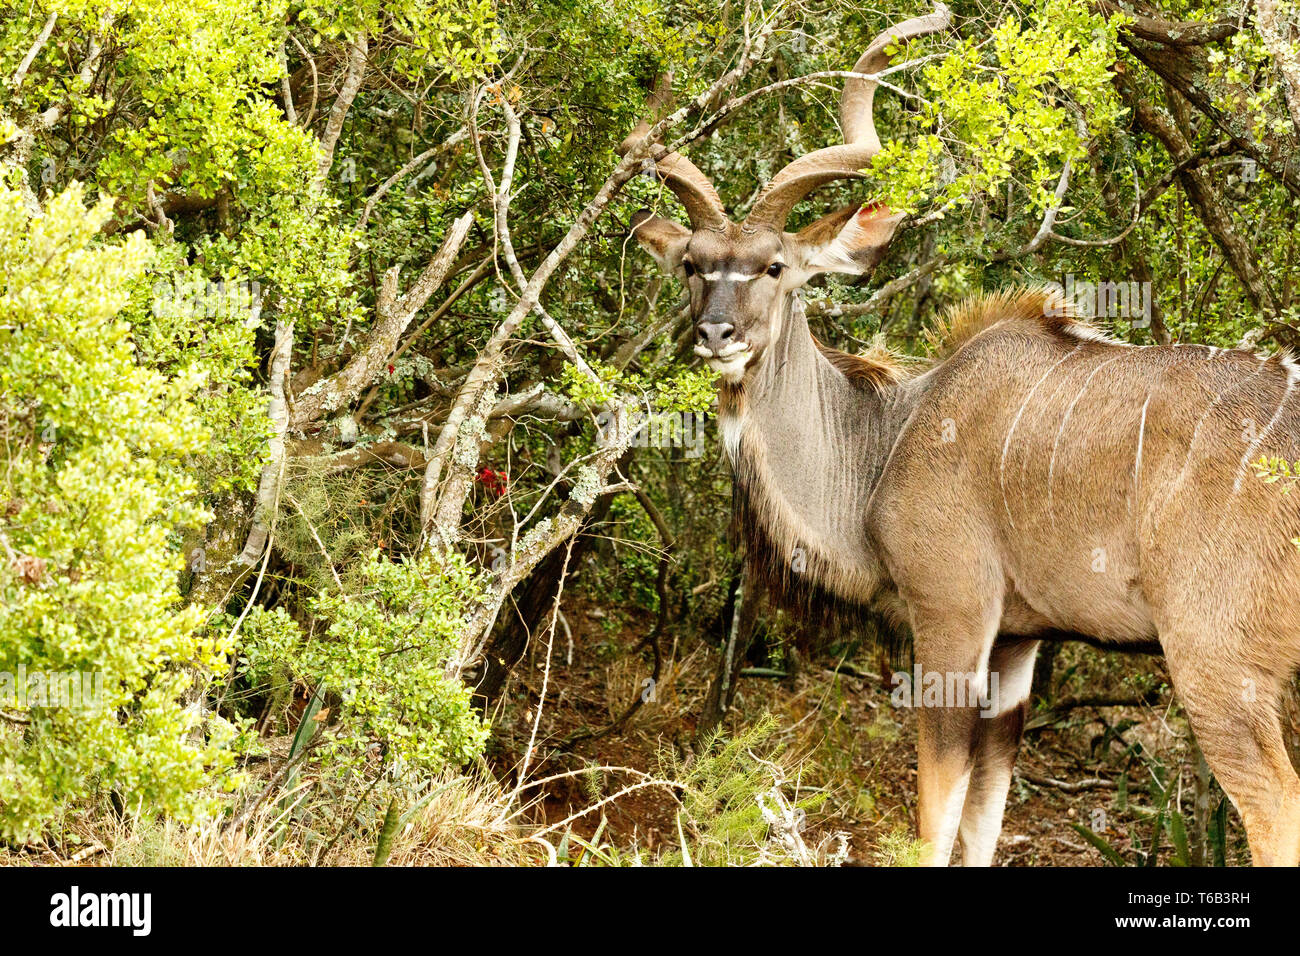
(1038, 482)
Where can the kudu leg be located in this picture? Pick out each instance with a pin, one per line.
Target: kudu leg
(943, 762)
(1234, 710)
(955, 659)
(997, 741)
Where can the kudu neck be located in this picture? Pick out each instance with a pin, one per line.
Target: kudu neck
(812, 446)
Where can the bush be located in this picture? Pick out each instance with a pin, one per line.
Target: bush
(379, 654)
(92, 496)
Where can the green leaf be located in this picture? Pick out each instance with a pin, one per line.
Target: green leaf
(1109, 852)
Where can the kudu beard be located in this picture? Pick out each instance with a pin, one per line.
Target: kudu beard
(947, 689)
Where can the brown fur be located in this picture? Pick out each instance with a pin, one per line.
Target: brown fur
(877, 368)
(1064, 446)
(828, 622)
(825, 228)
(1038, 309)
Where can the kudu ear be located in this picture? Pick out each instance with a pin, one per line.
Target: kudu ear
(852, 240)
(663, 238)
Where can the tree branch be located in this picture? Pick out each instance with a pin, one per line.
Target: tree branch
(882, 295)
(358, 52)
(490, 365)
(406, 170)
(392, 318)
(1277, 41)
(1169, 32)
(1186, 70)
(268, 486)
(20, 74)
(1203, 198)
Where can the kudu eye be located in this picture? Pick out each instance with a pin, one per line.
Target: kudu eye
(775, 270)
(688, 268)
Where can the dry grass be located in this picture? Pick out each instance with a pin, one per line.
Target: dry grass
(469, 821)
(464, 820)
(678, 693)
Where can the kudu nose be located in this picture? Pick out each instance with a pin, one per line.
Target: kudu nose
(715, 336)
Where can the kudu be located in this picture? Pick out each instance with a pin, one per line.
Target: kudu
(1039, 481)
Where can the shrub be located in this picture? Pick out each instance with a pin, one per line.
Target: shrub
(93, 493)
(379, 653)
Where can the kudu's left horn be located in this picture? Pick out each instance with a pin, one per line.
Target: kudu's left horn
(677, 172)
(803, 175)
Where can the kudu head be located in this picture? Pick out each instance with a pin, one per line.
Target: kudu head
(740, 276)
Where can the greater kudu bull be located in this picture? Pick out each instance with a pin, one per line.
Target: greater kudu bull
(1040, 481)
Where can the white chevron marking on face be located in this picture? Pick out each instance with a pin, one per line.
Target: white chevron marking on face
(729, 276)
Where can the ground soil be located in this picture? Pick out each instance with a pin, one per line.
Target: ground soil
(845, 733)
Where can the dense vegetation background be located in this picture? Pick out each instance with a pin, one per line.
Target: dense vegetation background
(321, 340)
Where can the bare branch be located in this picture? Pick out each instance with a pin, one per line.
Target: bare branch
(1170, 32)
(358, 52)
(490, 365)
(501, 221)
(1187, 70)
(717, 118)
(394, 454)
(392, 318)
(85, 73)
(1143, 200)
(268, 487)
(548, 533)
(882, 295)
(20, 74)
(1045, 226)
(406, 170)
(315, 82)
(1204, 200)
(286, 91)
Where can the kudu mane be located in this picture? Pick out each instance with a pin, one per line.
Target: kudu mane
(1039, 308)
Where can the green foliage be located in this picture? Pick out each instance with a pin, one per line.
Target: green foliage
(686, 390)
(436, 36)
(152, 388)
(205, 331)
(1272, 470)
(197, 68)
(379, 653)
(1018, 118)
(899, 847)
(1244, 64)
(721, 821)
(1165, 816)
(677, 389)
(94, 490)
